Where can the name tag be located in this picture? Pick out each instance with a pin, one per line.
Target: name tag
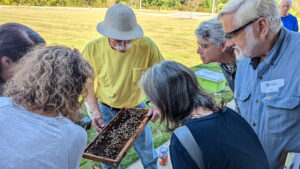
(271, 86)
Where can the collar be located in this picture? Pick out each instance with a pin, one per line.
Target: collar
(277, 50)
(274, 53)
(230, 68)
(254, 62)
(211, 116)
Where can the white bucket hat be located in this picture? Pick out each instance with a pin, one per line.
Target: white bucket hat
(120, 23)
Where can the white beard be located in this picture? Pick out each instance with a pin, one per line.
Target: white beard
(121, 48)
(249, 46)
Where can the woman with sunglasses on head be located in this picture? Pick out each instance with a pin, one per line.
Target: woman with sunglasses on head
(222, 138)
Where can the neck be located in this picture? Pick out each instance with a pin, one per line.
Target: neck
(41, 112)
(228, 57)
(4, 75)
(269, 43)
(200, 112)
(284, 14)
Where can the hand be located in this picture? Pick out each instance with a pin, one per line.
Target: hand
(153, 114)
(97, 121)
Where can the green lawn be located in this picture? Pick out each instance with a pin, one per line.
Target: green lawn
(75, 28)
(159, 137)
(159, 134)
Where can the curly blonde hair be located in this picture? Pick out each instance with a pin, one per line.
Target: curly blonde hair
(50, 79)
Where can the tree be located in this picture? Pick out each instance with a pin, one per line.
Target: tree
(192, 6)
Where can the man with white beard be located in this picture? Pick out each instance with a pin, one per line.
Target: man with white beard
(267, 85)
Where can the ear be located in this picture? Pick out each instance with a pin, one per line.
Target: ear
(262, 28)
(223, 46)
(6, 61)
(110, 42)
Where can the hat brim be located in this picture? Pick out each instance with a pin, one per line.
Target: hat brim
(113, 34)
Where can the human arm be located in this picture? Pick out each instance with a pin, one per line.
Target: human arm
(77, 144)
(91, 99)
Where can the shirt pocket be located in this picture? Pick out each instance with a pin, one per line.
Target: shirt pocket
(137, 74)
(243, 101)
(103, 80)
(283, 114)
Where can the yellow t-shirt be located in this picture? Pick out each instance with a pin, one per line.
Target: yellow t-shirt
(117, 74)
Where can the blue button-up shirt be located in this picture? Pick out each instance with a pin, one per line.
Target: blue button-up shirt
(269, 96)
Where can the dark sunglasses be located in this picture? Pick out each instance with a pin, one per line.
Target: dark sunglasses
(234, 32)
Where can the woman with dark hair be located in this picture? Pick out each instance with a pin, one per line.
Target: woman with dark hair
(15, 41)
(222, 139)
(40, 104)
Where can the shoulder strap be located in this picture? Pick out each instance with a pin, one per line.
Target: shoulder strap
(187, 140)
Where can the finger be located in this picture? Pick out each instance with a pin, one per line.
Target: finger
(98, 120)
(158, 115)
(150, 112)
(95, 125)
(153, 120)
(154, 117)
(101, 124)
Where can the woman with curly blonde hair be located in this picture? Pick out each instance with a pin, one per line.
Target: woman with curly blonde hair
(40, 99)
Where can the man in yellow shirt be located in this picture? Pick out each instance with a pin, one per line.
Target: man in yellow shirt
(119, 58)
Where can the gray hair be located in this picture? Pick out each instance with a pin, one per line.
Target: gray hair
(212, 31)
(174, 89)
(247, 10)
(289, 1)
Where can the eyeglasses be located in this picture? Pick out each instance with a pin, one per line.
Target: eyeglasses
(121, 42)
(231, 34)
(202, 46)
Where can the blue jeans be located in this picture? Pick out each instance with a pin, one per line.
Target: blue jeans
(143, 145)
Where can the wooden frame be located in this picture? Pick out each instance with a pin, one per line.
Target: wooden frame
(116, 162)
(283, 157)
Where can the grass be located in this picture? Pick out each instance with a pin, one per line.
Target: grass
(75, 28)
(159, 135)
(226, 94)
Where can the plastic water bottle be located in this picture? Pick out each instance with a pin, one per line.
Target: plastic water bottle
(163, 155)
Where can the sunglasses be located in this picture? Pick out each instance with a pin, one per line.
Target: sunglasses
(121, 42)
(231, 34)
(202, 46)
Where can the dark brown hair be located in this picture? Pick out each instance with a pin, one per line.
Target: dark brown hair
(16, 40)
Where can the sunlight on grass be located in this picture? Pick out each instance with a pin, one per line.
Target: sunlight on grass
(159, 134)
(75, 28)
